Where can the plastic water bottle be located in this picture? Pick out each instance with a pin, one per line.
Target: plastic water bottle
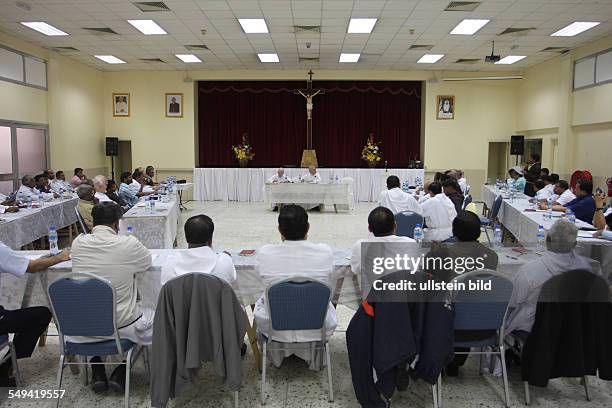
(549, 204)
(29, 201)
(497, 235)
(541, 238)
(53, 240)
(571, 217)
(152, 206)
(418, 234)
(130, 231)
(20, 197)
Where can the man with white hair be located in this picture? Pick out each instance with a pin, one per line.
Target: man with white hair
(99, 183)
(312, 176)
(528, 281)
(279, 177)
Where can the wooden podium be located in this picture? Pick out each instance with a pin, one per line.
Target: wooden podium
(309, 158)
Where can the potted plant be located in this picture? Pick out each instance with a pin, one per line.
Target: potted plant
(244, 151)
(371, 152)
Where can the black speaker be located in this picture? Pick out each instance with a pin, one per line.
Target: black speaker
(112, 146)
(517, 144)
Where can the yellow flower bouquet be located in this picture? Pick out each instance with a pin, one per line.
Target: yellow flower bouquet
(371, 152)
(244, 151)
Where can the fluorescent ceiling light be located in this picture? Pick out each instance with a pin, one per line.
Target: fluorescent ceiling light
(484, 78)
(268, 57)
(511, 59)
(469, 26)
(110, 59)
(430, 58)
(187, 57)
(253, 25)
(147, 27)
(361, 25)
(349, 57)
(44, 28)
(575, 28)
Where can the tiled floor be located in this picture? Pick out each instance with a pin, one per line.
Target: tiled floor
(241, 225)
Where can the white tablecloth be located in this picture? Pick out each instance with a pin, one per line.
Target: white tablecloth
(155, 231)
(28, 225)
(309, 193)
(246, 184)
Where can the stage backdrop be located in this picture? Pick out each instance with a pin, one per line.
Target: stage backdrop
(275, 120)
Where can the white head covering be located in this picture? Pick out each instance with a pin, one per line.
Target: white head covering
(518, 169)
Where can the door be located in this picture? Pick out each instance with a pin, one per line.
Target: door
(497, 165)
(124, 159)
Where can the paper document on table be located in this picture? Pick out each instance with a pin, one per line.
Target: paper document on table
(585, 234)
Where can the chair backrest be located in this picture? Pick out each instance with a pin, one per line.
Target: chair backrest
(298, 303)
(81, 222)
(496, 206)
(482, 309)
(466, 201)
(467, 190)
(83, 305)
(4, 339)
(406, 221)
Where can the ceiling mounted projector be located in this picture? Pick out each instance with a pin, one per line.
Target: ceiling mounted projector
(492, 58)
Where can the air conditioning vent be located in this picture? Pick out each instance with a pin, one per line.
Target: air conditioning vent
(462, 6)
(421, 47)
(512, 30)
(64, 50)
(197, 47)
(152, 60)
(309, 59)
(556, 49)
(101, 30)
(150, 6)
(467, 60)
(306, 29)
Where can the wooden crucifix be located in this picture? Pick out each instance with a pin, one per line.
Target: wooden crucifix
(309, 156)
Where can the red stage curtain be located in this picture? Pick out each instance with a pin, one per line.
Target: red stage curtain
(275, 120)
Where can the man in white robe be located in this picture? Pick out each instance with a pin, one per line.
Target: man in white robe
(396, 200)
(294, 257)
(279, 177)
(559, 258)
(439, 213)
(312, 177)
(199, 258)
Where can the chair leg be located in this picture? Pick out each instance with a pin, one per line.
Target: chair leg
(264, 363)
(18, 378)
(128, 369)
(586, 388)
(486, 230)
(84, 373)
(439, 389)
(329, 373)
(505, 375)
(527, 397)
(434, 393)
(147, 363)
(481, 363)
(60, 372)
(236, 399)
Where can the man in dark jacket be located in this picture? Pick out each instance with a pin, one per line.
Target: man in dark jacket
(453, 192)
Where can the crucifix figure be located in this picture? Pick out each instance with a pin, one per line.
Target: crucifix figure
(309, 93)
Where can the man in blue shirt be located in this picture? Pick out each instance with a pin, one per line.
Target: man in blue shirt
(583, 206)
(125, 192)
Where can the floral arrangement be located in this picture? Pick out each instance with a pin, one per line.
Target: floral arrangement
(371, 151)
(244, 151)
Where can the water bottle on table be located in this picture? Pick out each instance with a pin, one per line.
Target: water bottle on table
(130, 230)
(418, 234)
(29, 201)
(541, 239)
(571, 217)
(497, 235)
(549, 204)
(152, 205)
(53, 250)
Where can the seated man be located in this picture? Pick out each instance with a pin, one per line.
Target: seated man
(554, 177)
(516, 180)
(116, 258)
(395, 199)
(562, 194)
(87, 200)
(542, 193)
(78, 177)
(99, 183)
(462, 181)
(59, 184)
(42, 188)
(111, 192)
(528, 281)
(583, 206)
(28, 323)
(27, 186)
(439, 213)
(295, 256)
(127, 193)
(279, 177)
(453, 192)
(602, 220)
(139, 184)
(312, 176)
(381, 223)
(199, 257)
(544, 172)
(149, 177)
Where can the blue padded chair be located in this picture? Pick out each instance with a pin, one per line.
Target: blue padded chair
(484, 310)
(84, 305)
(489, 222)
(6, 343)
(406, 221)
(468, 199)
(297, 303)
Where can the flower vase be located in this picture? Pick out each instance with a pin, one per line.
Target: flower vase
(371, 164)
(243, 163)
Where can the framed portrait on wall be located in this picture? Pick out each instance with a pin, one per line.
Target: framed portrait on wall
(174, 105)
(445, 107)
(121, 105)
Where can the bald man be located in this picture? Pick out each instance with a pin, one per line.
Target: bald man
(279, 177)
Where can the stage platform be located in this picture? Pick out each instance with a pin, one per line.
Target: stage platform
(247, 184)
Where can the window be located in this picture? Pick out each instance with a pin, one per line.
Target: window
(22, 69)
(593, 70)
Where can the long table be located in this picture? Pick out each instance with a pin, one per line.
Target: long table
(155, 230)
(336, 195)
(28, 225)
(246, 184)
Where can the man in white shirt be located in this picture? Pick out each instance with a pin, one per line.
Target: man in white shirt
(29, 323)
(563, 194)
(279, 177)
(439, 213)
(528, 281)
(199, 258)
(381, 223)
(294, 257)
(139, 183)
(312, 176)
(541, 192)
(27, 186)
(396, 200)
(59, 183)
(42, 188)
(116, 258)
(99, 183)
(462, 181)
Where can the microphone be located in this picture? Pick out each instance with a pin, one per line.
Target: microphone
(385, 166)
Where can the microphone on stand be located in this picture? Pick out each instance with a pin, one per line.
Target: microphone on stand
(385, 166)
